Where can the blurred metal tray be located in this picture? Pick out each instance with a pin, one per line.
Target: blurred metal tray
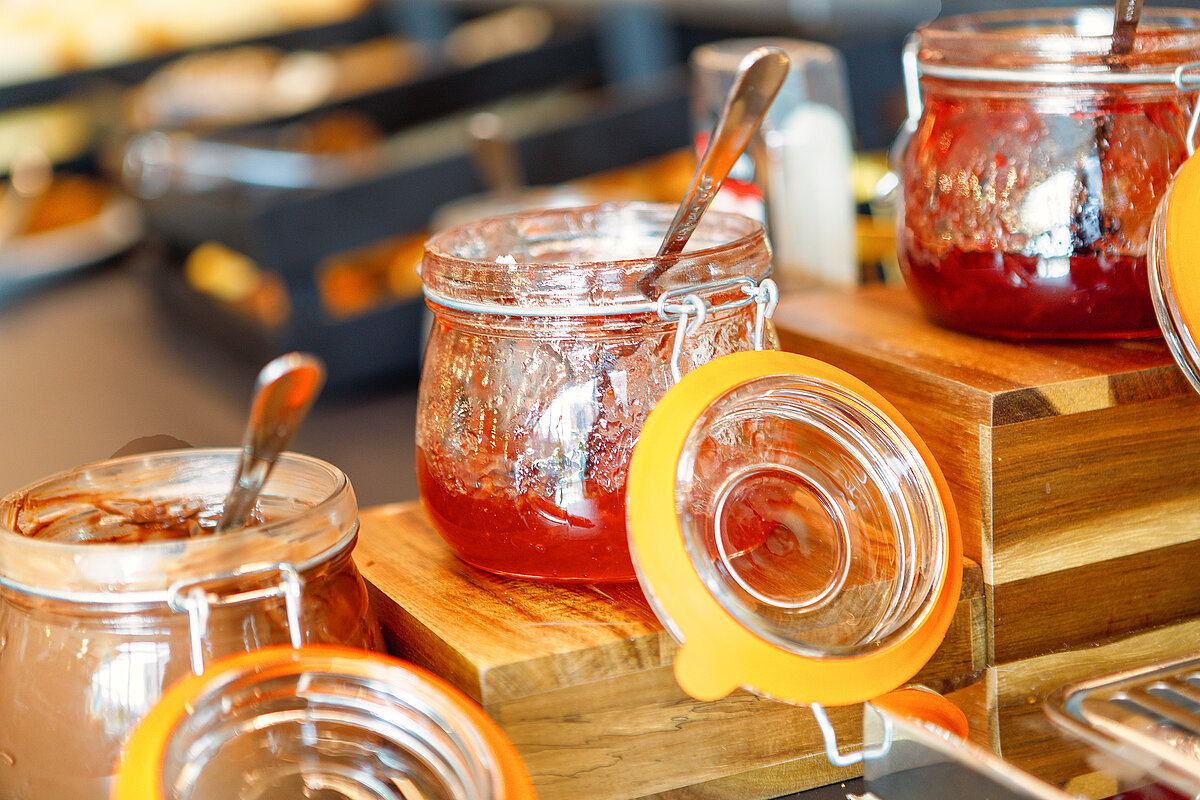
(1147, 718)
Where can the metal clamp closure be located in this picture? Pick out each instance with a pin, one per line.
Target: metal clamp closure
(1186, 79)
(198, 598)
(839, 759)
(690, 310)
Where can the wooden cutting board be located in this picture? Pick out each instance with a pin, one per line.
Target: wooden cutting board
(580, 677)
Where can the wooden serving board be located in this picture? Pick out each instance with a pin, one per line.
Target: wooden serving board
(1075, 467)
(580, 677)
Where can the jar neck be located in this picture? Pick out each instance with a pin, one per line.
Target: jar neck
(561, 261)
(1041, 44)
(317, 518)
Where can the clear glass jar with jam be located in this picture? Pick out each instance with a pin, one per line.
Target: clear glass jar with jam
(1032, 165)
(545, 357)
(110, 589)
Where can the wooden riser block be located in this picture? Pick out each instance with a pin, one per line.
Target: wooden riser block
(581, 677)
(1075, 467)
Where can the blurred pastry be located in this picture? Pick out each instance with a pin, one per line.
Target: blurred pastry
(237, 281)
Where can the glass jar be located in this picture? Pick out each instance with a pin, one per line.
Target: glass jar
(100, 608)
(321, 721)
(1032, 165)
(543, 361)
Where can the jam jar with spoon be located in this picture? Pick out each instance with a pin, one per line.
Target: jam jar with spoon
(555, 332)
(1037, 149)
(544, 358)
(110, 590)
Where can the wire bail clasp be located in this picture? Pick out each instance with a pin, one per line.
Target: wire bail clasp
(1187, 79)
(198, 598)
(687, 307)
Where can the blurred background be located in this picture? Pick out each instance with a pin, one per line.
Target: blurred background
(191, 188)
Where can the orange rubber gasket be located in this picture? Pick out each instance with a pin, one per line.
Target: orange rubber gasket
(140, 766)
(717, 653)
(1183, 244)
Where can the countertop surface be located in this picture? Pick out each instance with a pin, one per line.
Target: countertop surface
(90, 364)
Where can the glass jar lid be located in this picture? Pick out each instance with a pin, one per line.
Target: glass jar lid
(792, 531)
(1173, 258)
(320, 721)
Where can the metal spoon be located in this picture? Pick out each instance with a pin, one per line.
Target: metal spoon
(759, 77)
(1125, 22)
(283, 394)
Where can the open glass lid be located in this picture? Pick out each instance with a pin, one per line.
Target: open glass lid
(1173, 257)
(792, 531)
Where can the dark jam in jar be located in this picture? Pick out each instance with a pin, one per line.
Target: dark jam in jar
(1033, 172)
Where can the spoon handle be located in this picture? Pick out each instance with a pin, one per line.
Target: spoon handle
(760, 75)
(1125, 22)
(284, 392)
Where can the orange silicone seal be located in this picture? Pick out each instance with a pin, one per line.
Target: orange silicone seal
(1183, 243)
(140, 767)
(718, 654)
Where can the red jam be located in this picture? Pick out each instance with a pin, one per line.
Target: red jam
(1027, 202)
(990, 293)
(505, 533)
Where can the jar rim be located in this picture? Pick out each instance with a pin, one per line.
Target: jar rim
(1035, 44)
(469, 263)
(144, 572)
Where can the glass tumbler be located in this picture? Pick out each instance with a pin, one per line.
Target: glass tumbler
(544, 359)
(102, 606)
(1032, 165)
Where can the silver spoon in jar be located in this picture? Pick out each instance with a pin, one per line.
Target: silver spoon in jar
(283, 394)
(759, 77)
(1125, 21)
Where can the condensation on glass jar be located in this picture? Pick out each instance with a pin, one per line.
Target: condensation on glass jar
(319, 721)
(100, 607)
(1032, 164)
(545, 358)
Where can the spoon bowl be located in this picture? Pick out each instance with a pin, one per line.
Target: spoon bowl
(283, 394)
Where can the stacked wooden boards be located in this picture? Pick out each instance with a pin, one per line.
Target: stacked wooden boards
(1075, 468)
(581, 678)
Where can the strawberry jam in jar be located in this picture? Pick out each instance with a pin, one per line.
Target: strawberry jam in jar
(1032, 164)
(546, 353)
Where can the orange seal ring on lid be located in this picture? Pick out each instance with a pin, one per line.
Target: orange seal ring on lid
(792, 531)
(292, 720)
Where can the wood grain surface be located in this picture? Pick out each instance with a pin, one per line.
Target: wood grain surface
(581, 679)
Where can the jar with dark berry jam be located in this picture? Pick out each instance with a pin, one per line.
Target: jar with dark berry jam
(1032, 163)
